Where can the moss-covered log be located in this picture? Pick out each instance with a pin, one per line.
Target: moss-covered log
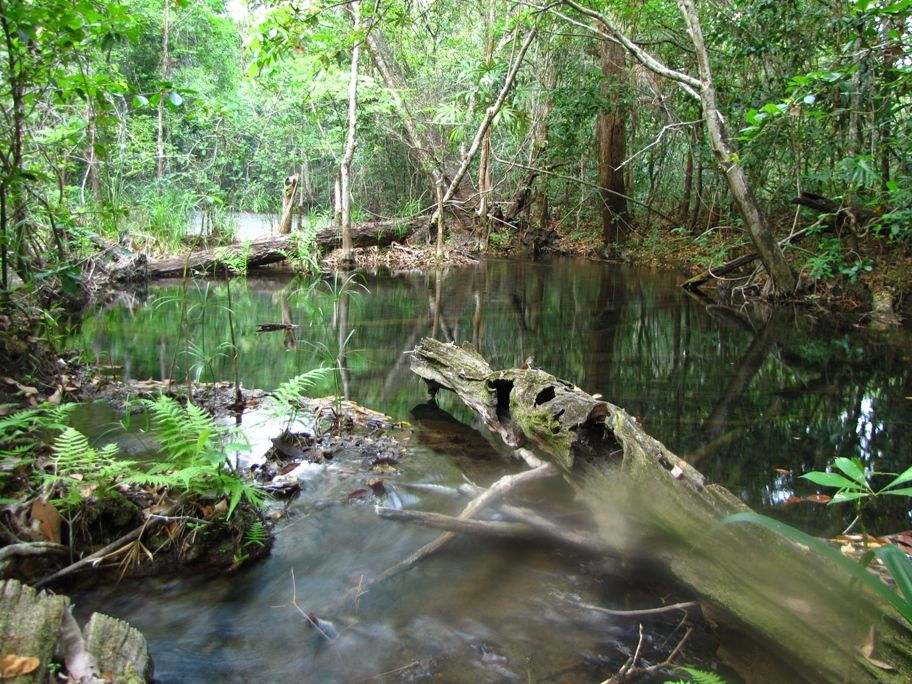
(273, 249)
(651, 505)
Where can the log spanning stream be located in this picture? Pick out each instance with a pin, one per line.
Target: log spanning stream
(750, 397)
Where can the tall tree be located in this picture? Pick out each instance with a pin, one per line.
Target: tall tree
(349, 153)
(612, 144)
(703, 89)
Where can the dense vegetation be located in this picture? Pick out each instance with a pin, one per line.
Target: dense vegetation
(597, 120)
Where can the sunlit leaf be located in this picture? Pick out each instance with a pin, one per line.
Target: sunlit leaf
(852, 470)
(830, 480)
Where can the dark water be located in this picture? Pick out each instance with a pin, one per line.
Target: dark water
(752, 398)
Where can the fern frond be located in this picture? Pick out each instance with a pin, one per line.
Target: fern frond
(256, 534)
(702, 676)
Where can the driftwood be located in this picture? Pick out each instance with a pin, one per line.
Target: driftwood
(270, 250)
(32, 625)
(648, 504)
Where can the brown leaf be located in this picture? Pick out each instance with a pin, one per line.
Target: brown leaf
(782, 471)
(15, 666)
(819, 498)
(867, 650)
(56, 397)
(48, 520)
(377, 486)
(358, 494)
(792, 500)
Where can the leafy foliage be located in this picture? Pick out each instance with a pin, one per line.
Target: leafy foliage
(194, 448)
(80, 471)
(285, 400)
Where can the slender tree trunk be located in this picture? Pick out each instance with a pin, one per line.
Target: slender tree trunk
(438, 187)
(484, 161)
(429, 153)
(612, 146)
(347, 258)
(781, 274)
(165, 71)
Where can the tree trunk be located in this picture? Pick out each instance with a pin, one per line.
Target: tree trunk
(612, 142)
(288, 197)
(165, 72)
(781, 274)
(347, 259)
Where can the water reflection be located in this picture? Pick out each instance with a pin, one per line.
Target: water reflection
(745, 394)
(754, 397)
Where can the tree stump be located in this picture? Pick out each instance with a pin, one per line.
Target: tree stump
(31, 626)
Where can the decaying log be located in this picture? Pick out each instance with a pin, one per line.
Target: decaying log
(32, 625)
(651, 505)
(273, 249)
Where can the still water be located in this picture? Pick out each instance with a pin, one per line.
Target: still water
(752, 398)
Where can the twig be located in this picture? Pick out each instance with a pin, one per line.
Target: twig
(492, 494)
(643, 612)
(484, 528)
(110, 549)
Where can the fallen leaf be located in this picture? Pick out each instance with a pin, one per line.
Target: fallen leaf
(377, 486)
(221, 508)
(782, 471)
(56, 397)
(15, 666)
(867, 650)
(792, 500)
(819, 498)
(48, 520)
(358, 494)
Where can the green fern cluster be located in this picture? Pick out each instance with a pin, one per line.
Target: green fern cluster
(286, 401)
(696, 676)
(20, 434)
(194, 446)
(79, 470)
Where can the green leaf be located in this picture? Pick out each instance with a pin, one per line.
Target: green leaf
(857, 571)
(842, 497)
(175, 98)
(905, 476)
(140, 101)
(830, 480)
(900, 567)
(905, 491)
(852, 470)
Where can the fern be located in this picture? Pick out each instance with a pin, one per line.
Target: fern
(696, 676)
(285, 402)
(77, 465)
(196, 461)
(256, 535)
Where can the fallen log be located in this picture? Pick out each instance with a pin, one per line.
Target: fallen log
(270, 250)
(805, 613)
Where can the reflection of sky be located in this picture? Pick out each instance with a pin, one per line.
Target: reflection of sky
(866, 428)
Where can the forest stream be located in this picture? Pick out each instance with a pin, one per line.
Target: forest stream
(751, 399)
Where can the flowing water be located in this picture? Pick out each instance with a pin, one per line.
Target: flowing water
(751, 398)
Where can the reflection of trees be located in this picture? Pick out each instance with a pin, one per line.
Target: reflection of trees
(752, 394)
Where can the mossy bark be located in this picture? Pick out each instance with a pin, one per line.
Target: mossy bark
(652, 505)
